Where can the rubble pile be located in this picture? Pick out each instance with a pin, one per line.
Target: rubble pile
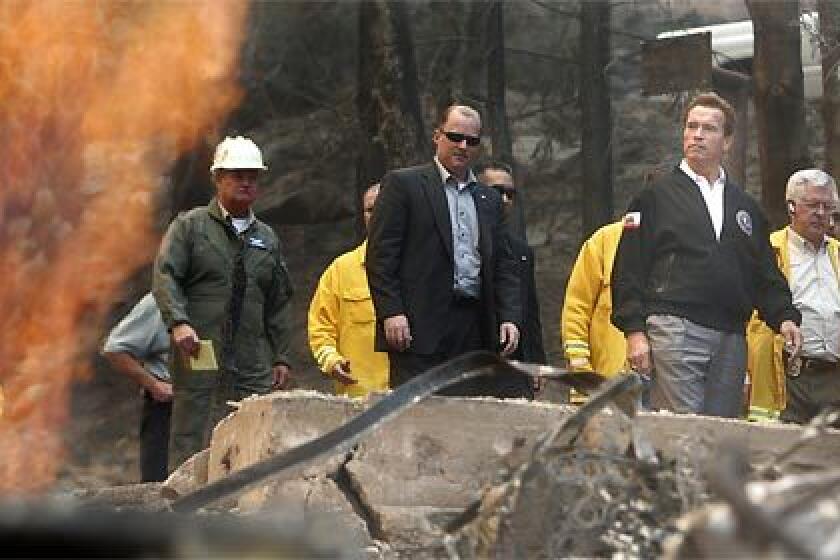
(594, 487)
(482, 478)
(784, 508)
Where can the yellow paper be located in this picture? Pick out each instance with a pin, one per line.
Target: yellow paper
(206, 359)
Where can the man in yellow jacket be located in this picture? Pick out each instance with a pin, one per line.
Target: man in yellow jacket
(342, 321)
(808, 258)
(590, 341)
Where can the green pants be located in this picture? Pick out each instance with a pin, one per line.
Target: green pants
(200, 402)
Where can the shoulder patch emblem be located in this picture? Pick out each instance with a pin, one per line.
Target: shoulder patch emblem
(257, 242)
(744, 222)
(632, 220)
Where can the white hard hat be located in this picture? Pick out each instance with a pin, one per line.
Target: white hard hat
(237, 153)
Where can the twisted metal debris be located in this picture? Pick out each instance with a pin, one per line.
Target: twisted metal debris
(583, 492)
(594, 487)
(772, 511)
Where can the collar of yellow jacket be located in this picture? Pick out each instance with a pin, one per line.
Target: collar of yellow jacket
(361, 251)
(779, 241)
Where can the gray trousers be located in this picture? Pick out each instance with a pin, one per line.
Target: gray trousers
(696, 369)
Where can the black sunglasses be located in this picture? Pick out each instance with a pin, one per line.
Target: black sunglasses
(505, 190)
(457, 138)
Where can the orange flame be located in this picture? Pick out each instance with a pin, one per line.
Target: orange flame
(97, 99)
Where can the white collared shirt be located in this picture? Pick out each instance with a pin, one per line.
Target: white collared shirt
(816, 294)
(239, 224)
(445, 175)
(712, 194)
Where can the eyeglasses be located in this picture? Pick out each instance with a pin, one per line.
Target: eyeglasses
(814, 206)
(457, 138)
(505, 190)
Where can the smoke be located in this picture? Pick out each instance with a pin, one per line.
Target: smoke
(97, 100)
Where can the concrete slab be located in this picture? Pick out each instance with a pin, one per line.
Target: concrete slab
(443, 451)
(437, 457)
(674, 433)
(318, 501)
(187, 478)
(271, 424)
(416, 527)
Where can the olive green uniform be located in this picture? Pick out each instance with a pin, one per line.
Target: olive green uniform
(193, 283)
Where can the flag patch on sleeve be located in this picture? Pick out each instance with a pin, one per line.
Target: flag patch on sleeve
(632, 220)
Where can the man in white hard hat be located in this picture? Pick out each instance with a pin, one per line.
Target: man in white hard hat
(223, 290)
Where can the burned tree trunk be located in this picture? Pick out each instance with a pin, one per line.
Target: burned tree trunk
(496, 86)
(474, 54)
(442, 80)
(736, 88)
(779, 95)
(829, 19)
(500, 136)
(594, 99)
(388, 102)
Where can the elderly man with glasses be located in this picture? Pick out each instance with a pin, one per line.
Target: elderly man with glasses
(439, 265)
(808, 258)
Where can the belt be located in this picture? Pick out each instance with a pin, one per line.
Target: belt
(464, 300)
(816, 364)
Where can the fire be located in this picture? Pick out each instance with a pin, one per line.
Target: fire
(97, 99)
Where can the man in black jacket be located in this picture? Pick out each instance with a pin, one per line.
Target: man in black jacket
(499, 176)
(441, 273)
(693, 262)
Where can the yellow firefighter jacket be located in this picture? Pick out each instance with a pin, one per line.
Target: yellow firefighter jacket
(590, 341)
(341, 325)
(765, 366)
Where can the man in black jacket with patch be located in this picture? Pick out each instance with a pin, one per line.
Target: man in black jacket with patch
(693, 262)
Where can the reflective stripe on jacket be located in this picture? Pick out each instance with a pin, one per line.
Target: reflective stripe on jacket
(590, 341)
(342, 325)
(765, 365)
